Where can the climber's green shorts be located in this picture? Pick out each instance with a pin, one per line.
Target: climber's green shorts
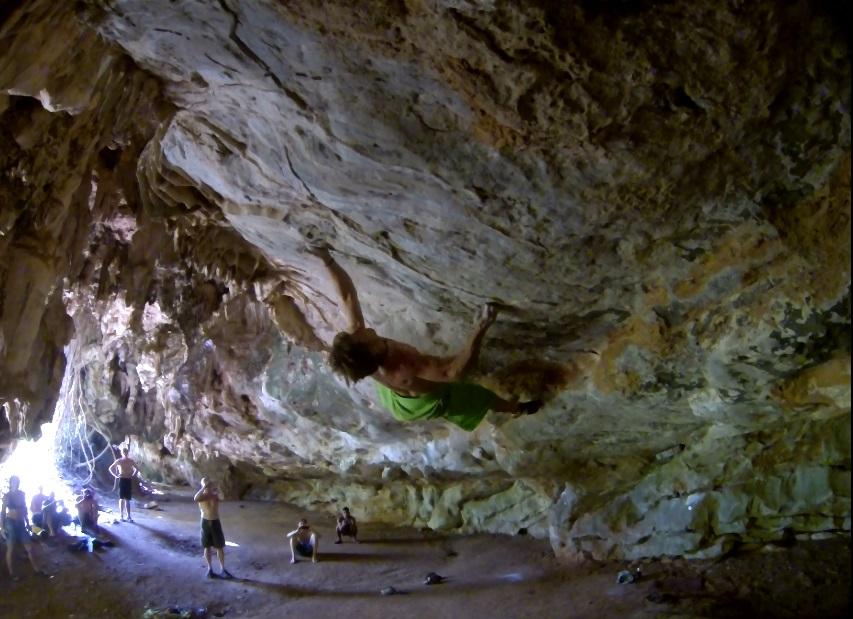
(461, 403)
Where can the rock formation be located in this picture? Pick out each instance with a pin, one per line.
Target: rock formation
(658, 194)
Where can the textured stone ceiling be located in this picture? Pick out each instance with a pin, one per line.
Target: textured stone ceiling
(657, 193)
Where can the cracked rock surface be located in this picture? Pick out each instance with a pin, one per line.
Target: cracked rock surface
(658, 194)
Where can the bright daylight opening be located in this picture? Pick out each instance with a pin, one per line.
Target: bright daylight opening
(35, 464)
(64, 459)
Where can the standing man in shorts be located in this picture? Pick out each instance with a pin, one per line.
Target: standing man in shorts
(211, 529)
(14, 526)
(124, 469)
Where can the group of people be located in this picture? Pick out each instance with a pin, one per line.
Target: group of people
(304, 542)
(411, 384)
(45, 518)
(47, 514)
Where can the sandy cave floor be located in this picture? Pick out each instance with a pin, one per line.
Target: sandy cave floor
(157, 561)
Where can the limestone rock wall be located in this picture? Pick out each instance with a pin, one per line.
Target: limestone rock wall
(74, 115)
(658, 194)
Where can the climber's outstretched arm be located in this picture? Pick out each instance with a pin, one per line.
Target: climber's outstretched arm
(451, 369)
(345, 288)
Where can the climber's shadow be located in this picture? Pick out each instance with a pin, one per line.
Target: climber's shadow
(535, 379)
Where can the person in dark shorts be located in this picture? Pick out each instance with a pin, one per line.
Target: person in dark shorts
(303, 542)
(211, 528)
(124, 469)
(347, 526)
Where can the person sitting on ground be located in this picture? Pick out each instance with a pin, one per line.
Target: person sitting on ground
(211, 528)
(413, 385)
(50, 516)
(14, 524)
(347, 526)
(304, 542)
(87, 512)
(124, 469)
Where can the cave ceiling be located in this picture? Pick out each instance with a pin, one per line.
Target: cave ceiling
(656, 195)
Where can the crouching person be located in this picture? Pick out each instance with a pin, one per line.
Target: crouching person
(87, 512)
(304, 542)
(54, 515)
(347, 526)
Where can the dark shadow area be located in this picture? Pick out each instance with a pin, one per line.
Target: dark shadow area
(452, 586)
(352, 556)
(182, 544)
(405, 540)
(301, 591)
(538, 379)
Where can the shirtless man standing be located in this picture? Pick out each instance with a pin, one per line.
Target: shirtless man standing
(304, 542)
(124, 469)
(410, 384)
(211, 529)
(14, 524)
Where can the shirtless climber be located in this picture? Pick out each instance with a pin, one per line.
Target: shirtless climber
(412, 385)
(124, 469)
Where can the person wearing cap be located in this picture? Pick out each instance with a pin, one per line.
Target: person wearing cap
(347, 526)
(87, 512)
(303, 542)
(14, 525)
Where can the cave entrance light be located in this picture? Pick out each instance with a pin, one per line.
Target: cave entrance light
(35, 463)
